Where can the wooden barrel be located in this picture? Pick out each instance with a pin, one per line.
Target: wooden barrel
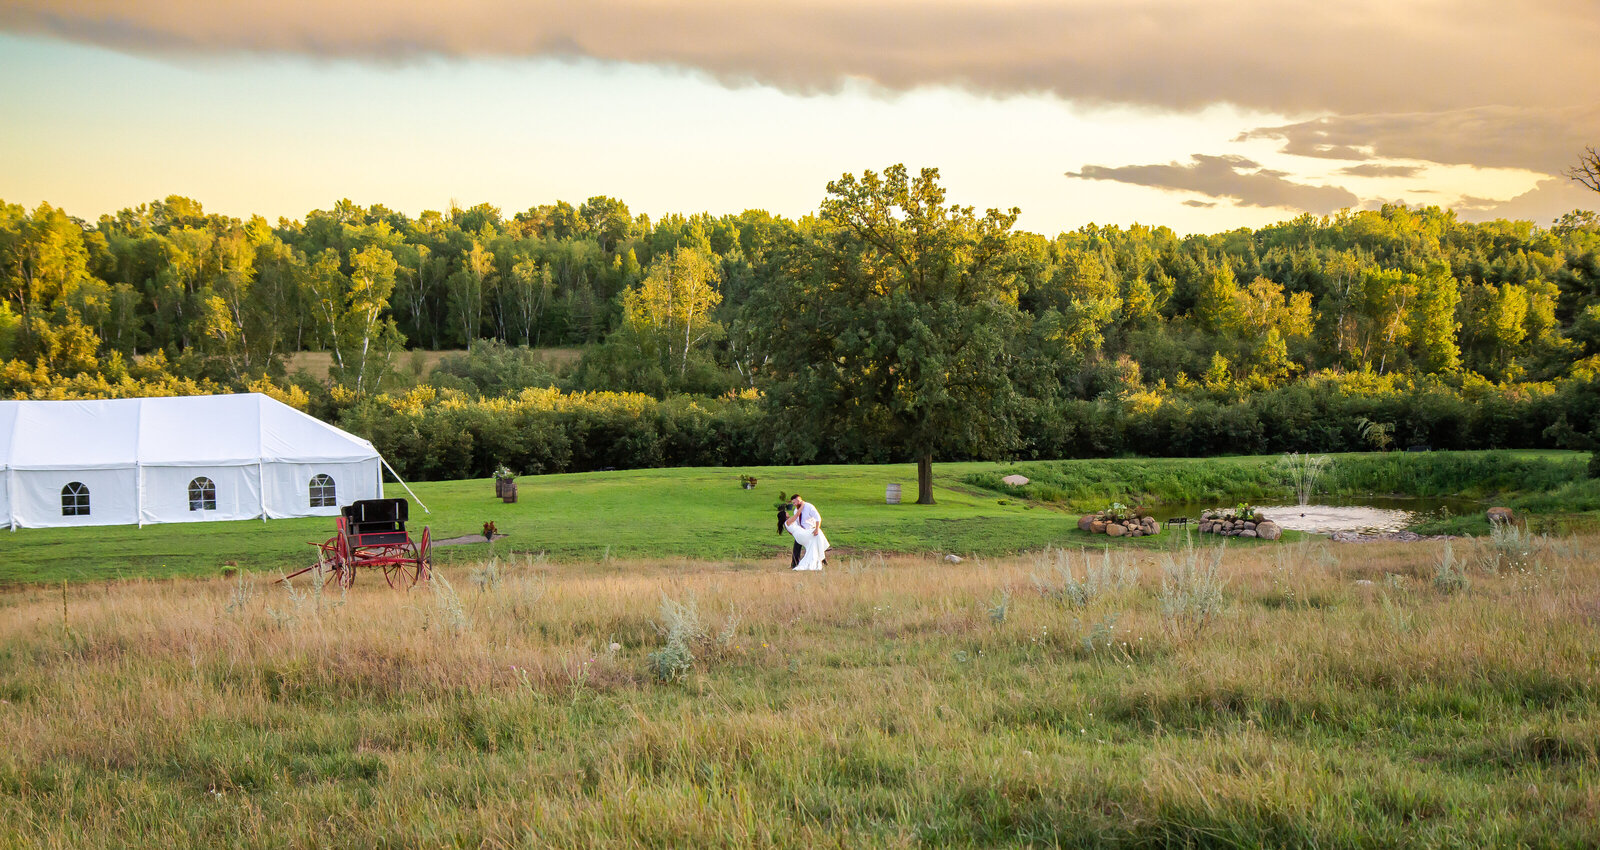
(508, 492)
(891, 494)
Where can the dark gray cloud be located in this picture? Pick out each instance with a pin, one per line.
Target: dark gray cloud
(1543, 140)
(1236, 178)
(1543, 204)
(1373, 169)
(1285, 56)
(1204, 205)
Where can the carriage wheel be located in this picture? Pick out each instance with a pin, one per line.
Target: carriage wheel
(416, 569)
(335, 571)
(404, 575)
(345, 575)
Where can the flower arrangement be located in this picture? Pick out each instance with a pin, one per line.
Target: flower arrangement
(504, 473)
(1118, 512)
(748, 482)
(489, 531)
(1242, 512)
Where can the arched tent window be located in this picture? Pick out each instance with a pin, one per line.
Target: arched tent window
(202, 494)
(75, 499)
(322, 495)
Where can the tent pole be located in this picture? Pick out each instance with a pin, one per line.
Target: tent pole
(402, 483)
(138, 466)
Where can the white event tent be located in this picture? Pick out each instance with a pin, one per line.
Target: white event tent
(183, 459)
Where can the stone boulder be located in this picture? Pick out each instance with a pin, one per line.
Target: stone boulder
(1116, 529)
(1097, 527)
(1268, 530)
(1015, 480)
(1499, 515)
(1085, 521)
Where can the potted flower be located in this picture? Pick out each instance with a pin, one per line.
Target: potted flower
(489, 531)
(504, 480)
(748, 482)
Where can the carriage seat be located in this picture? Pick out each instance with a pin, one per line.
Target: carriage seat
(377, 522)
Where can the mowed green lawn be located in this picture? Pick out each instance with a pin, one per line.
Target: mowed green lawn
(702, 514)
(693, 514)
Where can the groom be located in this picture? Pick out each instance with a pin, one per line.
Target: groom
(809, 520)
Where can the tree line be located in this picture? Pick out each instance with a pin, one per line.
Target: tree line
(890, 317)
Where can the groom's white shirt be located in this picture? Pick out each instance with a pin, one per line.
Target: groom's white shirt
(809, 518)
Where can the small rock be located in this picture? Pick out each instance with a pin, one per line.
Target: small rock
(1116, 529)
(1249, 532)
(1498, 515)
(1249, 526)
(1268, 530)
(952, 559)
(1097, 527)
(1015, 480)
(1154, 526)
(1085, 521)
(1136, 532)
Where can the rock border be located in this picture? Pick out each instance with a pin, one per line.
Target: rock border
(1133, 527)
(1214, 522)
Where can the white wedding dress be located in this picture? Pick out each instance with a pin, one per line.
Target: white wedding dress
(816, 546)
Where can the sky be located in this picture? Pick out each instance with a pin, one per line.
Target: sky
(1201, 116)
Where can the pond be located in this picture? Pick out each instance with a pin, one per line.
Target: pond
(1364, 515)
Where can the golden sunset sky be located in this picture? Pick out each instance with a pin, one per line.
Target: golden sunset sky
(1202, 116)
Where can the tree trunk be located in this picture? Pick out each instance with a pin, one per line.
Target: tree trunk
(925, 478)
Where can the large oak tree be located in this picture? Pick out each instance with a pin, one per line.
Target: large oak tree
(895, 325)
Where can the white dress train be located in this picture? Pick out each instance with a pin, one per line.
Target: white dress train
(816, 546)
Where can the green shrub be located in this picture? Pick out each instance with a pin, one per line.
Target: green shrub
(1191, 587)
(1448, 576)
(681, 628)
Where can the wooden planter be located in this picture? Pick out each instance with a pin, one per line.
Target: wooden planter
(891, 494)
(504, 485)
(508, 492)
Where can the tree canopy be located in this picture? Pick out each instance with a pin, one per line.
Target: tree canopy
(897, 323)
(891, 324)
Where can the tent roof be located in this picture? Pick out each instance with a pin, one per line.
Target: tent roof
(214, 430)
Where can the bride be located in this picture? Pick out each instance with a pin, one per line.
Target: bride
(812, 540)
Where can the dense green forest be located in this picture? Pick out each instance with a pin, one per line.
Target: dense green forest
(1368, 329)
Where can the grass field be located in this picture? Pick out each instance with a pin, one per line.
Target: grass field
(702, 514)
(418, 362)
(690, 514)
(896, 703)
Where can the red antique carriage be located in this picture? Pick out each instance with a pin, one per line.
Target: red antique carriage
(372, 533)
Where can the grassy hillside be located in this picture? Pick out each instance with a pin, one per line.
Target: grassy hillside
(703, 515)
(1084, 484)
(690, 514)
(897, 704)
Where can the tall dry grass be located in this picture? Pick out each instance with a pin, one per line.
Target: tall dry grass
(1334, 697)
